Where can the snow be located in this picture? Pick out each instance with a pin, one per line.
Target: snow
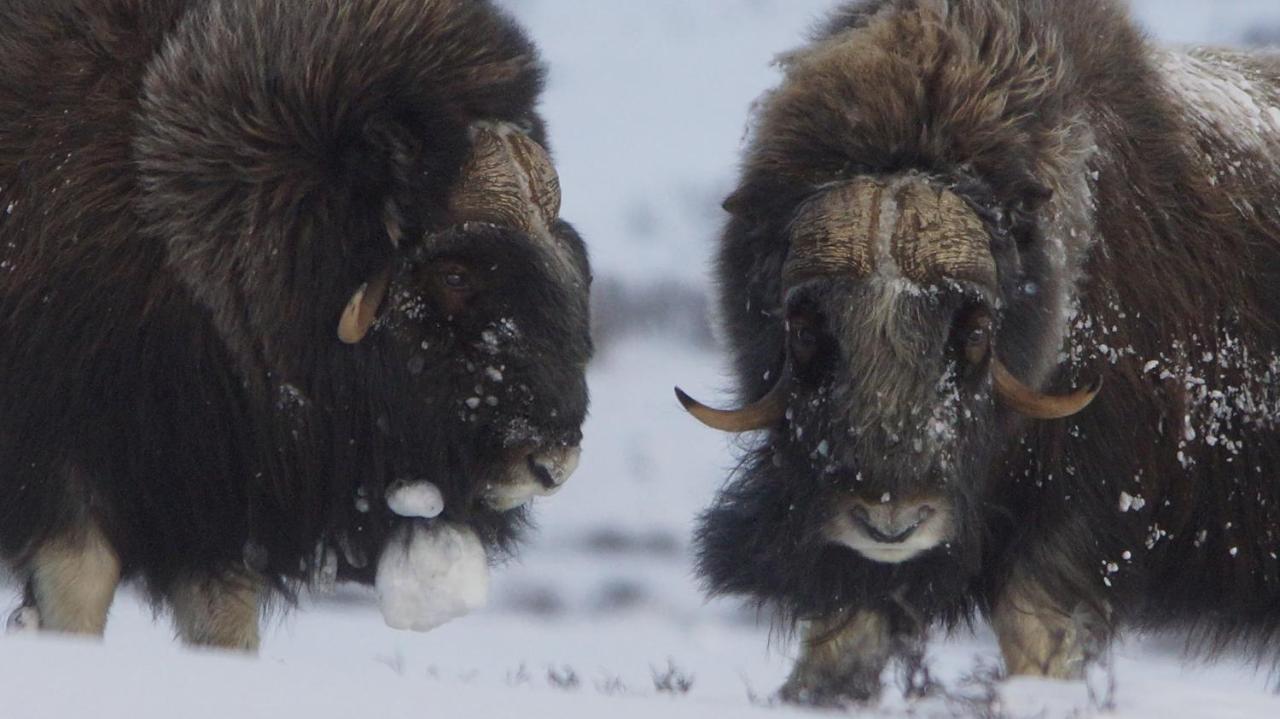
(416, 499)
(648, 105)
(431, 574)
(1223, 99)
(24, 620)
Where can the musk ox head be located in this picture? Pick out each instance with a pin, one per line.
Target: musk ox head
(892, 395)
(485, 319)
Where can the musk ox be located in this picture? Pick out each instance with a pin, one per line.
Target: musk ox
(955, 217)
(260, 262)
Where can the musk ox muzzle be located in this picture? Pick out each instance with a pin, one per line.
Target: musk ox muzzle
(905, 229)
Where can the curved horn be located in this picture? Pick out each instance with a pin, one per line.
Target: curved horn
(362, 309)
(763, 414)
(508, 180)
(1026, 401)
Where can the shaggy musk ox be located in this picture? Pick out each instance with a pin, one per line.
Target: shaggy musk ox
(955, 218)
(260, 260)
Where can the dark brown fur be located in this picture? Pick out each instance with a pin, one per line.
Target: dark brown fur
(1067, 130)
(190, 192)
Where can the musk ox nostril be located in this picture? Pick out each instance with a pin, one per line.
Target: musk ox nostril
(542, 472)
(553, 468)
(885, 525)
(885, 533)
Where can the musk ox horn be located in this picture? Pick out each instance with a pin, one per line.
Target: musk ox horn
(932, 234)
(1026, 401)
(762, 414)
(362, 310)
(508, 180)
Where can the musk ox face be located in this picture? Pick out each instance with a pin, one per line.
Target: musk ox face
(484, 322)
(484, 329)
(892, 394)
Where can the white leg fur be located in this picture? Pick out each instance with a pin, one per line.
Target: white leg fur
(841, 660)
(74, 580)
(1039, 638)
(221, 613)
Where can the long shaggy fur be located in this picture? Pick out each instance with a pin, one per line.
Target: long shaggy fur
(1137, 233)
(190, 192)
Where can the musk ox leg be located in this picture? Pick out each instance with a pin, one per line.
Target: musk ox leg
(842, 660)
(73, 581)
(1039, 638)
(219, 612)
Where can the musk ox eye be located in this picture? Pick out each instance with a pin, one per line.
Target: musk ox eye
(453, 285)
(804, 339)
(974, 330)
(978, 336)
(977, 345)
(455, 277)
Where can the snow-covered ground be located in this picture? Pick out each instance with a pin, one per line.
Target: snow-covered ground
(601, 615)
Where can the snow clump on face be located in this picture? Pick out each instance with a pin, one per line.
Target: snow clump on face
(421, 500)
(429, 575)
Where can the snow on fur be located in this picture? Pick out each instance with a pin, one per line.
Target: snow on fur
(430, 575)
(422, 500)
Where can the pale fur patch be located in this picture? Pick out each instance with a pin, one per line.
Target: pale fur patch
(521, 485)
(218, 613)
(75, 579)
(1219, 94)
(933, 532)
(841, 659)
(1039, 638)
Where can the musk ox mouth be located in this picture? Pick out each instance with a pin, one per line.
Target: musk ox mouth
(891, 532)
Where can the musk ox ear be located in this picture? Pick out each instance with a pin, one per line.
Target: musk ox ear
(362, 309)
(736, 204)
(755, 198)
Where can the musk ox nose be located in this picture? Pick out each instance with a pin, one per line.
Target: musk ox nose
(892, 525)
(533, 472)
(553, 467)
(892, 532)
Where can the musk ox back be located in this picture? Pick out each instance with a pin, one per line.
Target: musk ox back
(263, 264)
(955, 218)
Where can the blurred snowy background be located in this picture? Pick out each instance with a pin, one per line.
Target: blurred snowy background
(648, 105)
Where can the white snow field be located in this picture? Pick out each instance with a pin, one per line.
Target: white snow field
(601, 616)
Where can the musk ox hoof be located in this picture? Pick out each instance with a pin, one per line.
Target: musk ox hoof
(829, 693)
(430, 574)
(825, 698)
(540, 474)
(24, 620)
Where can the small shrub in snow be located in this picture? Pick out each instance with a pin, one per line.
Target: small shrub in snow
(672, 680)
(564, 679)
